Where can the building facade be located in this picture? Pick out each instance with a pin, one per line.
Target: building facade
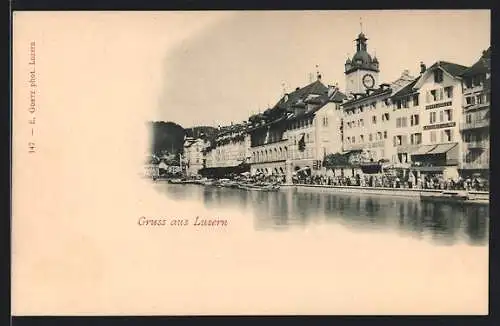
(230, 148)
(193, 157)
(475, 124)
(439, 111)
(298, 131)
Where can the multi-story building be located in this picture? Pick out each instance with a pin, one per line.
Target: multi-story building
(193, 155)
(475, 125)
(298, 131)
(429, 110)
(367, 114)
(406, 124)
(367, 124)
(230, 147)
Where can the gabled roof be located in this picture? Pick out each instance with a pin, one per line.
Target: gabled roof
(338, 96)
(316, 87)
(452, 68)
(406, 90)
(482, 66)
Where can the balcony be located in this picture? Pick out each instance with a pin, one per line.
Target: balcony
(476, 107)
(478, 144)
(474, 89)
(475, 166)
(483, 123)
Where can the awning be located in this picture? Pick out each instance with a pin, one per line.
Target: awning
(373, 168)
(304, 169)
(424, 149)
(442, 148)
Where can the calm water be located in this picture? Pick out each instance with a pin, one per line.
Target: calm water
(439, 223)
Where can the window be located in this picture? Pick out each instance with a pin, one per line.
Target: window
(432, 117)
(361, 122)
(441, 116)
(404, 122)
(399, 140)
(398, 122)
(468, 118)
(471, 100)
(398, 104)
(362, 138)
(479, 99)
(434, 95)
(415, 99)
(370, 137)
(386, 115)
(348, 140)
(447, 135)
(385, 134)
(374, 119)
(414, 120)
(438, 76)
(433, 136)
(379, 135)
(416, 139)
(404, 103)
(448, 91)
(353, 139)
(448, 115)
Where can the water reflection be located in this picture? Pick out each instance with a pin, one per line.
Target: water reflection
(442, 222)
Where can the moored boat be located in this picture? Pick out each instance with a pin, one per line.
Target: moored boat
(447, 195)
(261, 187)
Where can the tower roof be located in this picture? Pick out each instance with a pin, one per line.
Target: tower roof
(362, 59)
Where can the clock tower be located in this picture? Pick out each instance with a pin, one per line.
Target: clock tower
(361, 72)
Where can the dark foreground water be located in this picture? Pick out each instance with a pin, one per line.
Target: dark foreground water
(441, 223)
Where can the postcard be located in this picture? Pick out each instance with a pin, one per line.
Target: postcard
(251, 162)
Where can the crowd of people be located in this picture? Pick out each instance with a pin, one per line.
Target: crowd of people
(409, 181)
(389, 181)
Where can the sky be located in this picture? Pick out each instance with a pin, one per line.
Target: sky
(221, 67)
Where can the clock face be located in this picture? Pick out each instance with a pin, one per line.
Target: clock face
(368, 81)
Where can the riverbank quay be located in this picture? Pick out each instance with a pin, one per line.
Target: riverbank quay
(480, 196)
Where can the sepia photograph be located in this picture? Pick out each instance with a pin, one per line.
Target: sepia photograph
(251, 162)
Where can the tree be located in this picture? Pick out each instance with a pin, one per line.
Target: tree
(166, 136)
(335, 160)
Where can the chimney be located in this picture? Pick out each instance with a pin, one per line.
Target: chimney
(297, 88)
(422, 67)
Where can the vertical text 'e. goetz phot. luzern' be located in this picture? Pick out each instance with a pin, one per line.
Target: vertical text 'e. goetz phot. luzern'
(32, 81)
(363, 139)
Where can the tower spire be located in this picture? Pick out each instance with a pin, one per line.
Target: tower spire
(318, 74)
(361, 24)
